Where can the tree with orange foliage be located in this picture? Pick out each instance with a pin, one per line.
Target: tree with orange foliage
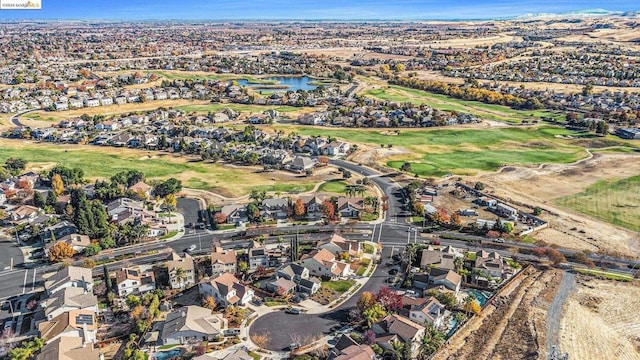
(209, 302)
(298, 208)
(60, 251)
(328, 210)
(57, 184)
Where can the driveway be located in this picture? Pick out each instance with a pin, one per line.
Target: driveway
(284, 329)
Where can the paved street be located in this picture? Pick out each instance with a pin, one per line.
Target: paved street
(283, 328)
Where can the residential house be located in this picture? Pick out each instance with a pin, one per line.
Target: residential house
(180, 279)
(350, 207)
(397, 328)
(300, 164)
(312, 206)
(74, 323)
(134, 281)
(348, 349)
(141, 188)
(444, 258)
(68, 299)
(282, 286)
(24, 213)
(487, 265)
(192, 324)
(223, 261)
(425, 310)
(448, 278)
(338, 245)
(70, 276)
(336, 148)
(300, 276)
(77, 241)
(323, 263)
(274, 209)
(28, 180)
(236, 214)
(68, 348)
(227, 290)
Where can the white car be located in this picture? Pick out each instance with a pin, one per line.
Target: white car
(191, 248)
(499, 240)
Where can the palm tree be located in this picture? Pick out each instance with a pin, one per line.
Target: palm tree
(181, 275)
(431, 341)
(467, 303)
(396, 352)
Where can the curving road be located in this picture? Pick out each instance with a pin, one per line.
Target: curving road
(284, 329)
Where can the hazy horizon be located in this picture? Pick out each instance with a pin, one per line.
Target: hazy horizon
(305, 9)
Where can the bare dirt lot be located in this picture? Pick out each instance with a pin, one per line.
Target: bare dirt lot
(600, 321)
(541, 185)
(513, 326)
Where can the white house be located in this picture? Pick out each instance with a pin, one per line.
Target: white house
(134, 281)
(324, 264)
(227, 290)
(70, 276)
(180, 279)
(192, 323)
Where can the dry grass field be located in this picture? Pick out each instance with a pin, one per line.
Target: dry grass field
(543, 185)
(600, 321)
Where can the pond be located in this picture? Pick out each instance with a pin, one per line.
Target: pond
(292, 83)
(170, 354)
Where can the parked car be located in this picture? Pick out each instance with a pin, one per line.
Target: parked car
(293, 311)
(256, 302)
(499, 240)
(293, 346)
(191, 248)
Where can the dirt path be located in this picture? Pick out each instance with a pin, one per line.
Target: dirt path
(555, 310)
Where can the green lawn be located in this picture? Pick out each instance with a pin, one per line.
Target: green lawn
(616, 202)
(169, 235)
(103, 162)
(334, 186)
(439, 151)
(606, 275)
(368, 248)
(339, 286)
(364, 263)
(446, 103)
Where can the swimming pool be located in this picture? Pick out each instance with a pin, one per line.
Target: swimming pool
(481, 296)
(166, 355)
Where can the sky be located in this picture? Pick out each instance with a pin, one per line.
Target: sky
(306, 9)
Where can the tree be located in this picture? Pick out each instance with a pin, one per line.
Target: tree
(88, 263)
(537, 211)
(431, 341)
(373, 314)
(243, 267)
(181, 275)
(92, 249)
(38, 199)
(209, 302)
(400, 67)
(170, 203)
(107, 278)
(471, 305)
(328, 210)
(406, 167)
(389, 299)
(15, 165)
(171, 186)
(479, 186)
(52, 199)
(60, 251)
(507, 227)
(366, 301)
(220, 217)
(555, 256)
(298, 208)
(133, 301)
(57, 184)
(253, 212)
